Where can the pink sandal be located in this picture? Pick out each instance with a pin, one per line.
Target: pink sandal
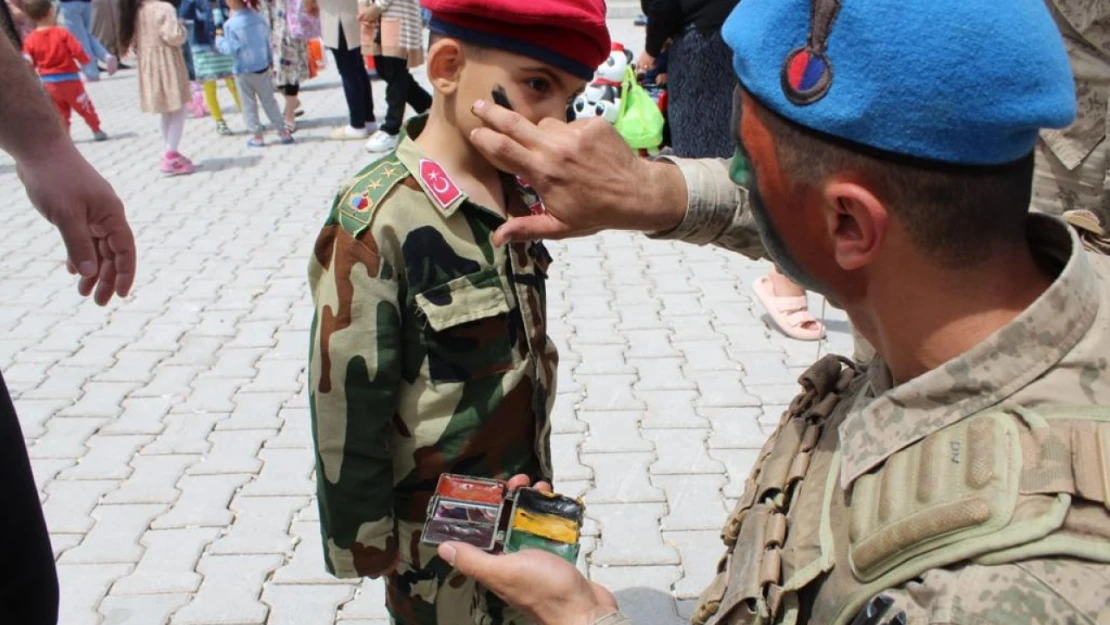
(790, 314)
(176, 165)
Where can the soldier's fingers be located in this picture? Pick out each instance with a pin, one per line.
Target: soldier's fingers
(532, 228)
(508, 123)
(504, 152)
(498, 573)
(519, 481)
(107, 284)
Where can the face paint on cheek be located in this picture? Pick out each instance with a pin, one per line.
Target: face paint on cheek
(772, 242)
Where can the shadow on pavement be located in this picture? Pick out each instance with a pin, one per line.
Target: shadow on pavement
(234, 162)
(321, 85)
(647, 606)
(321, 122)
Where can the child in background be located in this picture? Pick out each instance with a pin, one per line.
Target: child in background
(202, 17)
(57, 57)
(246, 39)
(396, 41)
(152, 29)
(429, 352)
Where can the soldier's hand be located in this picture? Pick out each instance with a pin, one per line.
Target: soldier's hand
(542, 585)
(586, 174)
(89, 215)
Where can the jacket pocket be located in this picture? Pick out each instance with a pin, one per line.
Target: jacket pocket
(468, 329)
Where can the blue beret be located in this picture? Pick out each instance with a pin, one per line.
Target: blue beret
(960, 81)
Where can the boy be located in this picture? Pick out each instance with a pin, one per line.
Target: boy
(57, 56)
(429, 350)
(246, 39)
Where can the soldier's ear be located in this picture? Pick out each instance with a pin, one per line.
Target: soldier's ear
(446, 59)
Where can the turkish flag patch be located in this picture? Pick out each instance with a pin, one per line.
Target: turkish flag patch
(443, 189)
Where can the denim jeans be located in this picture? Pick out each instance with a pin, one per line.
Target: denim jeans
(78, 20)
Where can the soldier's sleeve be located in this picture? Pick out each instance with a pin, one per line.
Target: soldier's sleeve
(354, 373)
(717, 210)
(1046, 591)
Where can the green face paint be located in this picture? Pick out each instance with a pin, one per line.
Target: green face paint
(739, 170)
(519, 541)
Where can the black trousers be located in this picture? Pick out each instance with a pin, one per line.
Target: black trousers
(356, 84)
(401, 90)
(29, 591)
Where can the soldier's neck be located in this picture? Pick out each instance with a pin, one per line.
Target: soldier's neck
(444, 143)
(946, 312)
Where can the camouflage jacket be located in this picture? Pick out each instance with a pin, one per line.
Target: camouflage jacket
(429, 352)
(1085, 26)
(1057, 352)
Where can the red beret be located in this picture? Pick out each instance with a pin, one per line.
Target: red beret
(569, 34)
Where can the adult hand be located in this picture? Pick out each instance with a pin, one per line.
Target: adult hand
(587, 175)
(69, 193)
(542, 585)
(646, 62)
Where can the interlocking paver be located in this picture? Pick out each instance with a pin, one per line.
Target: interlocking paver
(700, 552)
(735, 428)
(233, 452)
(184, 434)
(167, 565)
(229, 592)
(65, 438)
(368, 604)
(304, 605)
(83, 586)
(620, 478)
(68, 504)
(140, 609)
(254, 411)
(670, 409)
(203, 501)
(661, 374)
(609, 392)
(114, 538)
(107, 458)
(693, 501)
(261, 526)
(632, 537)
(613, 431)
(739, 463)
(681, 452)
(33, 413)
(285, 472)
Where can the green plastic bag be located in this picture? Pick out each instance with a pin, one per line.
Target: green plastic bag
(640, 121)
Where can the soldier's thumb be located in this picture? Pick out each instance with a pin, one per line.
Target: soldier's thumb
(473, 563)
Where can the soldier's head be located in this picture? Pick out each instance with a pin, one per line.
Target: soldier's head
(873, 153)
(41, 12)
(536, 55)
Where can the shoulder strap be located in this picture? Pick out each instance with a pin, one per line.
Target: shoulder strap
(359, 201)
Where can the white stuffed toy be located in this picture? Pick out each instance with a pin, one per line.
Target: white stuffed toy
(602, 97)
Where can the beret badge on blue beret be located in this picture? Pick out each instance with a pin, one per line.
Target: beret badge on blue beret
(807, 73)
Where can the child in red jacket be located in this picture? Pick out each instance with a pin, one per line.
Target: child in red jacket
(57, 55)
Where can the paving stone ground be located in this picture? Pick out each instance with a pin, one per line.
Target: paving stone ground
(169, 432)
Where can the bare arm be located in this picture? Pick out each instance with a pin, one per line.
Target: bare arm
(62, 185)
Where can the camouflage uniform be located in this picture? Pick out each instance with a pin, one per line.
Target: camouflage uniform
(429, 355)
(969, 495)
(1073, 164)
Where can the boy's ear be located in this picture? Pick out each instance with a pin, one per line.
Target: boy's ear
(446, 59)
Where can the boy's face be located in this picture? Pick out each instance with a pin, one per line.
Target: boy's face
(535, 89)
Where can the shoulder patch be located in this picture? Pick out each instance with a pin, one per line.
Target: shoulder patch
(366, 190)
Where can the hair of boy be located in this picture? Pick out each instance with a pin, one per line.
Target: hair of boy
(959, 215)
(37, 10)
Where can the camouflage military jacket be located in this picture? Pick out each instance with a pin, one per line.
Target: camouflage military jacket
(852, 472)
(429, 352)
(1085, 26)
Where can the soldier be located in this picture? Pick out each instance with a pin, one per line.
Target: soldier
(1073, 164)
(886, 149)
(429, 348)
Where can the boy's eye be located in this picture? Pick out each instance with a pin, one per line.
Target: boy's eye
(539, 85)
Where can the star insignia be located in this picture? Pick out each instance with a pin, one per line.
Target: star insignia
(389, 172)
(374, 186)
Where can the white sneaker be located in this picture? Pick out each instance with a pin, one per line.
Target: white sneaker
(382, 141)
(349, 133)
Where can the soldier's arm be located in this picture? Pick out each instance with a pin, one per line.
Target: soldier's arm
(1047, 591)
(717, 210)
(355, 365)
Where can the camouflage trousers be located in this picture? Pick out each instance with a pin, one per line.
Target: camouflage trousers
(425, 590)
(1057, 189)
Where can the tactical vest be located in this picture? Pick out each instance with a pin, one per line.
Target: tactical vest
(1000, 486)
